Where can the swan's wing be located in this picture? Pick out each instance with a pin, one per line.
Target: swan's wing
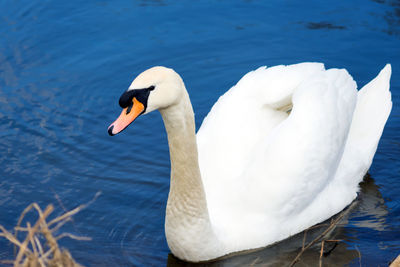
(301, 155)
(290, 161)
(244, 116)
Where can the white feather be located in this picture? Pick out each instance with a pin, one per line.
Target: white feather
(268, 175)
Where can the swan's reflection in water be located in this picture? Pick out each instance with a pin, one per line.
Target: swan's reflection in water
(367, 211)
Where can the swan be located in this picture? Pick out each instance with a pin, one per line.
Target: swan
(282, 150)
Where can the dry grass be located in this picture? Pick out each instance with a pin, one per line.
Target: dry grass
(320, 238)
(39, 245)
(323, 237)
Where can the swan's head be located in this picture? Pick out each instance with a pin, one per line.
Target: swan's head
(155, 88)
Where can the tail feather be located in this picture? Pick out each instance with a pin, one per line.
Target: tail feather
(371, 113)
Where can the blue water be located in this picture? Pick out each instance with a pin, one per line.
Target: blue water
(64, 64)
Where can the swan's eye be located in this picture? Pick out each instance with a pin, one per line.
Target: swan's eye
(141, 94)
(126, 99)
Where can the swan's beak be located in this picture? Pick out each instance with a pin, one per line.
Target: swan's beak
(128, 115)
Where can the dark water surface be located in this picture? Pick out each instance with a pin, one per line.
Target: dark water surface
(64, 64)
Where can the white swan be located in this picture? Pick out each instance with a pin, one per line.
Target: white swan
(266, 174)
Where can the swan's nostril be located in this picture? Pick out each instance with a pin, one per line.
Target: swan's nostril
(110, 130)
(128, 110)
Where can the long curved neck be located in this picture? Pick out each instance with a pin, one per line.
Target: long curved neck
(187, 224)
(186, 189)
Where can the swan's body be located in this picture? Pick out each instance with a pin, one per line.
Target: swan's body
(255, 174)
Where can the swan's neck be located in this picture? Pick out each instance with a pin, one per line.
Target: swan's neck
(187, 225)
(186, 196)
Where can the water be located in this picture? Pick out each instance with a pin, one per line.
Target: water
(64, 64)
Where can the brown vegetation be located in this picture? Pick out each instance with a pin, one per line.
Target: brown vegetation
(39, 245)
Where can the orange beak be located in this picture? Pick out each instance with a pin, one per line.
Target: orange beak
(128, 115)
